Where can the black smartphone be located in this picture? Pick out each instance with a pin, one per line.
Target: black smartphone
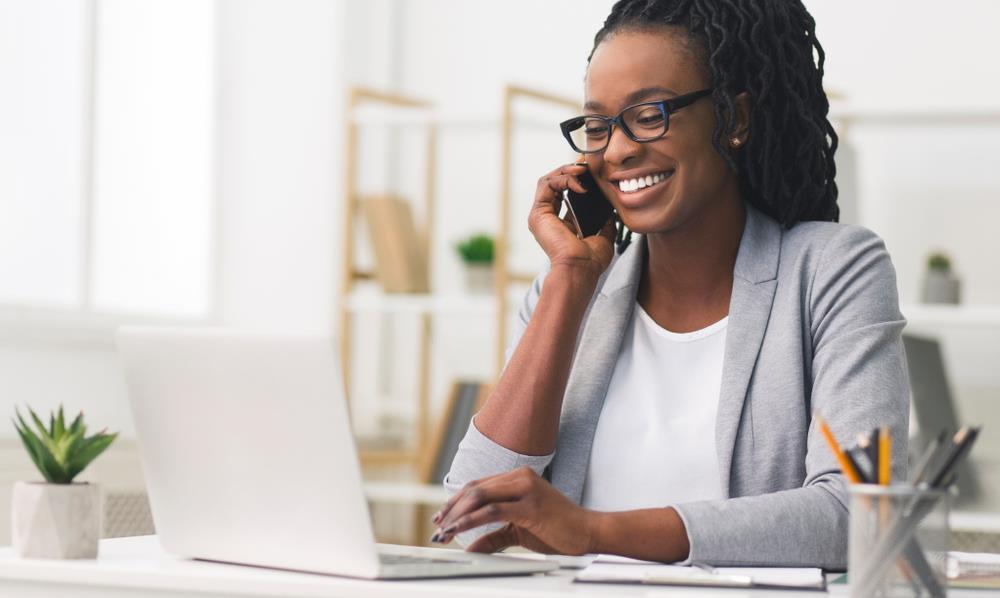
(589, 211)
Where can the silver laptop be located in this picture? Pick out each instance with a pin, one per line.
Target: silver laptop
(249, 458)
(934, 407)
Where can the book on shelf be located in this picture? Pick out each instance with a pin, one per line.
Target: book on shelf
(400, 263)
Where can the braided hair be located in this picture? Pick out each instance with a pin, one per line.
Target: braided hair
(768, 49)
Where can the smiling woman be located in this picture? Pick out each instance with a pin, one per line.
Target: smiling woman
(658, 403)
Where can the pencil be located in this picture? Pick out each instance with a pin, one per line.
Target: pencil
(920, 471)
(845, 464)
(884, 456)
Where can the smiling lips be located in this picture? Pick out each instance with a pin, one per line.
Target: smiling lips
(633, 185)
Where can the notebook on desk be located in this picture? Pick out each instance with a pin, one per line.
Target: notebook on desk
(249, 458)
(617, 570)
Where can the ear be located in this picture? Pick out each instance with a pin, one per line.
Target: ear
(740, 131)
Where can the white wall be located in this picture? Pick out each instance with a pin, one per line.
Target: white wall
(280, 122)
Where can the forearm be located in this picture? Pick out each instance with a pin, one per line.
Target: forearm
(647, 534)
(522, 413)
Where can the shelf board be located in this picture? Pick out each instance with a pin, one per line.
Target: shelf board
(410, 493)
(927, 315)
(415, 303)
(915, 115)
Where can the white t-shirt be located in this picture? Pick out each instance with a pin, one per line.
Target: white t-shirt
(655, 440)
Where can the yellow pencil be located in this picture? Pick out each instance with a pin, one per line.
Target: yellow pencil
(884, 456)
(845, 465)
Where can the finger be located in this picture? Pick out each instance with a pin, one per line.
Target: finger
(496, 489)
(560, 183)
(575, 169)
(504, 537)
(494, 512)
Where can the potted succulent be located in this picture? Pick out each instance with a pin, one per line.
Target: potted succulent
(58, 518)
(940, 283)
(477, 254)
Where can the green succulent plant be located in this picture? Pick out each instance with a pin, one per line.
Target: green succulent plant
(477, 249)
(61, 452)
(939, 261)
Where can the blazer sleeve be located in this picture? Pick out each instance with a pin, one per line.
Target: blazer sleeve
(859, 380)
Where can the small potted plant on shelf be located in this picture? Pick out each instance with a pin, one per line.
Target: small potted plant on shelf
(940, 283)
(477, 254)
(58, 518)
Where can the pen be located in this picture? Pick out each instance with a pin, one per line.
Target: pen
(845, 464)
(961, 443)
(925, 460)
(871, 449)
(863, 473)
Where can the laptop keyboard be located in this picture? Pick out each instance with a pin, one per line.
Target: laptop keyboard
(405, 559)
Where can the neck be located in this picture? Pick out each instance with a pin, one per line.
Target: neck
(687, 277)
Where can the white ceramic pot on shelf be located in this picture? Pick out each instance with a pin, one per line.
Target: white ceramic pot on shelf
(479, 278)
(941, 286)
(56, 521)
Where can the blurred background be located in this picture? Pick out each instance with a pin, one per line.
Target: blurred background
(191, 161)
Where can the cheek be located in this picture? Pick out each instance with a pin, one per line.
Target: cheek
(703, 168)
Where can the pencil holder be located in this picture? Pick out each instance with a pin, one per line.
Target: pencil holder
(898, 541)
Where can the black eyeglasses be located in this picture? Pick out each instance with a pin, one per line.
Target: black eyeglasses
(643, 123)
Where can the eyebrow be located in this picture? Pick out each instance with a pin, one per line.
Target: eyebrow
(635, 96)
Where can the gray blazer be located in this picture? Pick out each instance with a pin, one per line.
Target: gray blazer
(814, 323)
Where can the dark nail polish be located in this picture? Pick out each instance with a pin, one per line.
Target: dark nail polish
(436, 518)
(436, 538)
(449, 530)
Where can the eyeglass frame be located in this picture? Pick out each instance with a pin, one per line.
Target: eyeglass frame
(667, 107)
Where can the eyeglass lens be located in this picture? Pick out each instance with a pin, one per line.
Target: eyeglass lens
(644, 122)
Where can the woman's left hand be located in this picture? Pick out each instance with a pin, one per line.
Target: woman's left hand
(537, 516)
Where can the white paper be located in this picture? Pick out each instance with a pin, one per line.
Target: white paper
(637, 572)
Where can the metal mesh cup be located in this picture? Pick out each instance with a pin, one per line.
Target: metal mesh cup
(898, 541)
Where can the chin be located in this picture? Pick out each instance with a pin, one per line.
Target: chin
(649, 221)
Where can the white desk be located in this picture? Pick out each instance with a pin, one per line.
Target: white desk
(133, 567)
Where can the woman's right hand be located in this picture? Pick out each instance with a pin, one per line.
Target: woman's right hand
(556, 236)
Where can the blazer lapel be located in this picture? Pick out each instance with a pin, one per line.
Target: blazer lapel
(754, 283)
(594, 363)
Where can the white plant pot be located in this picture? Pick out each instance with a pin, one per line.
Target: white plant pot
(56, 521)
(479, 278)
(941, 287)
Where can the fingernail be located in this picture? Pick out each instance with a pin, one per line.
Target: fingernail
(436, 518)
(436, 538)
(449, 530)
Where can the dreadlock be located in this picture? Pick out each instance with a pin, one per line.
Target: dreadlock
(768, 49)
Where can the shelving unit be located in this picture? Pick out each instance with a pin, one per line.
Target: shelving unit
(359, 291)
(353, 275)
(504, 277)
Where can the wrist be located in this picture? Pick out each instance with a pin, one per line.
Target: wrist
(597, 524)
(579, 274)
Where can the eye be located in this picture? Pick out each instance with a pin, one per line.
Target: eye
(649, 117)
(594, 128)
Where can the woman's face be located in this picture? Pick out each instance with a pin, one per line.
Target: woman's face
(632, 67)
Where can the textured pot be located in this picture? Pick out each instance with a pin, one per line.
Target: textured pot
(479, 278)
(941, 287)
(56, 521)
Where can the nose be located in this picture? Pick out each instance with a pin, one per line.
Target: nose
(621, 149)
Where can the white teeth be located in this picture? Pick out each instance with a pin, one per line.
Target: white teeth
(630, 185)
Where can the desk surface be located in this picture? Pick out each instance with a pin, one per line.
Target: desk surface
(138, 567)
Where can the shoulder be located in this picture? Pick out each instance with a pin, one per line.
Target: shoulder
(840, 272)
(828, 249)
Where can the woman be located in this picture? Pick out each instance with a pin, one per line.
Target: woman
(658, 403)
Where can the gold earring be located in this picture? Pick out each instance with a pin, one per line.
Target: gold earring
(735, 141)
